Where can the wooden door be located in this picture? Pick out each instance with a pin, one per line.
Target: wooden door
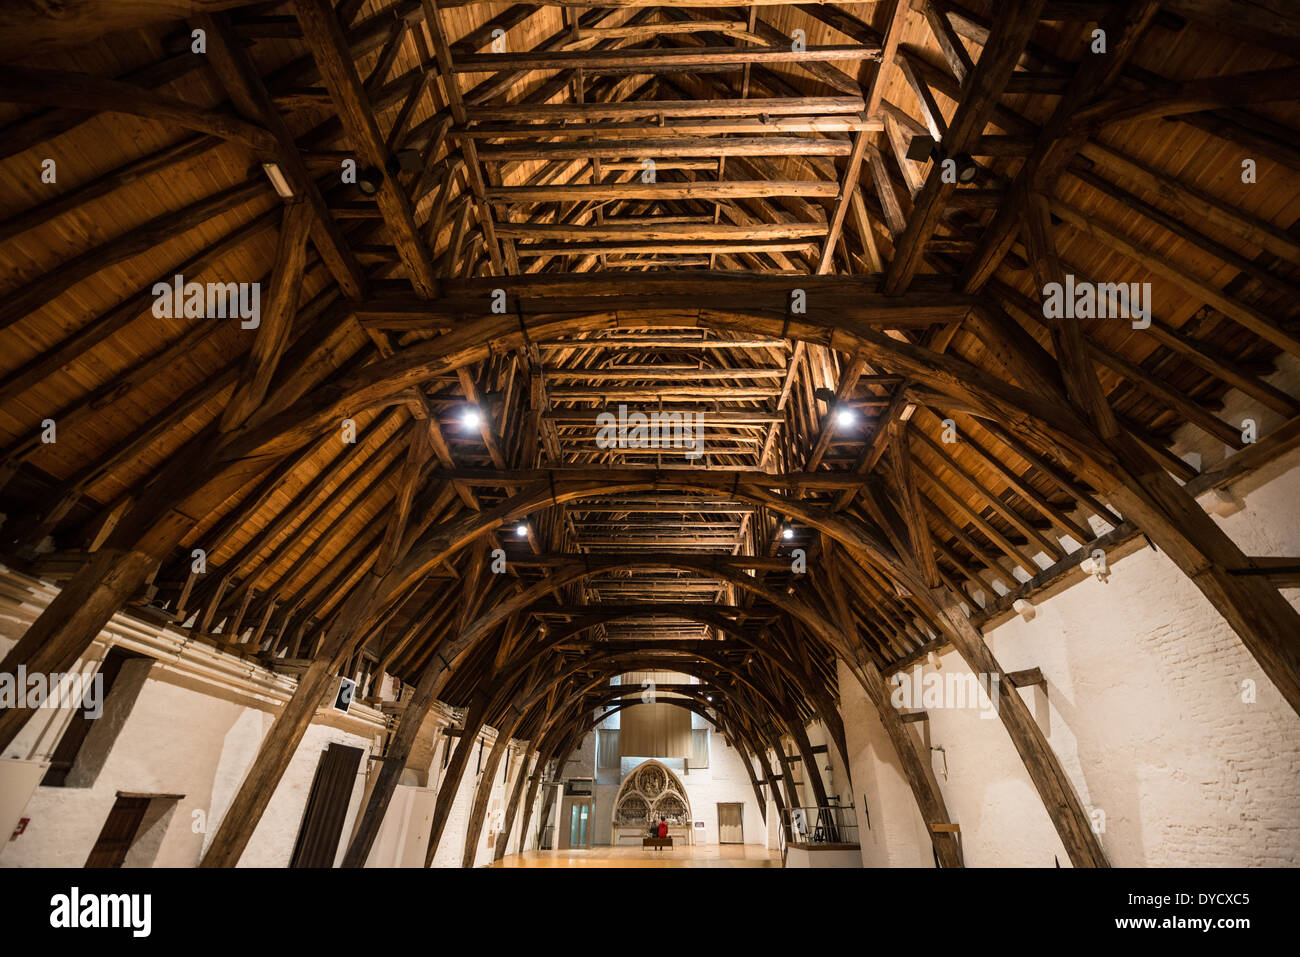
(118, 832)
(327, 806)
(731, 825)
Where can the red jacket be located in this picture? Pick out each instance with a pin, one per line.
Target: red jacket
(663, 828)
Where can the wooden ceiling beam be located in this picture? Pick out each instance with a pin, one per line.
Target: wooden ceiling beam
(673, 148)
(1013, 26)
(678, 126)
(1055, 146)
(660, 190)
(663, 59)
(329, 46)
(33, 295)
(28, 30)
(655, 108)
(679, 246)
(615, 230)
(81, 91)
(272, 336)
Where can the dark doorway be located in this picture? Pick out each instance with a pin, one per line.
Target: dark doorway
(118, 832)
(327, 806)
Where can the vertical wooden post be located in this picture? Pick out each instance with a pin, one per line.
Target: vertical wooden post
(479, 811)
(390, 771)
(512, 808)
(455, 771)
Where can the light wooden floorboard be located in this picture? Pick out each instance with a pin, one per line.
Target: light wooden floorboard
(700, 855)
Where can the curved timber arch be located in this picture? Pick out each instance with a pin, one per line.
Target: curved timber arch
(1044, 769)
(783, 663)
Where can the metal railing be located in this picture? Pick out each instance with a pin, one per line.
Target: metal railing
(832, 823)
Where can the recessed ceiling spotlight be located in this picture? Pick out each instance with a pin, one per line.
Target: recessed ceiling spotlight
(369, 179)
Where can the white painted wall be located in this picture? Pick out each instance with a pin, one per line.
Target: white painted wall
(204, 758)
(1143, 706)
(891, 831)
(194, 731)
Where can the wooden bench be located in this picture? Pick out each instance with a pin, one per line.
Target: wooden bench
(656, 842)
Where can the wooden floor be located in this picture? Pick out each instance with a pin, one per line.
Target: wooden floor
(700, 855)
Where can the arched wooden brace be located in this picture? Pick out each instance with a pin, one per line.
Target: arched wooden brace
(630, 659)
(947, 848)
(31, 28)
(1054, 787)
(212, 467)
(487, 705)
(739, 734)
(734, 733)
(290, 417)
(487, 702)
(616, 662)
(450, 783)
(544, 752)
(813, 771)
(565, 748)
(484, 790)
(701, 615)
(770, 699)
(432, 679)
(746, 746)
(425, 692)
(1116, 466)
(485, 623)
(543, 747)
(1028, 738)
(522, 777)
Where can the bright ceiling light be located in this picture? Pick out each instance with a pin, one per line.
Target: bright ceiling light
(522, 529)
(844, 417)
(787, 532)
(471, 418)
